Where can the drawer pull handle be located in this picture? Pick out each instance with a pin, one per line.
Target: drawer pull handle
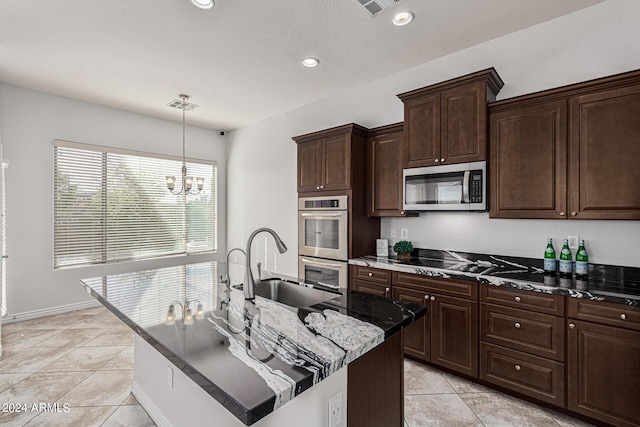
(517, 325)
(623, 316)
(572, 326)
(370, 274)
(518, 299)
(518, 367)
(433, 298)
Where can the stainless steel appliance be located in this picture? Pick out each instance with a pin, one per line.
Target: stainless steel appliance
(322, 240)
(458, 187)
(323, 271)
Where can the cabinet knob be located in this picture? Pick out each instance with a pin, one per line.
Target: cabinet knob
(517, 325)
(623, 316)
(387, 289)
(437, 160)
(426, 297)
(317, 187)
(432, 298)
(518, 367)
(574, 213)
(572, 325)
(518, 299)
(321, 187)
(401, 212)
(370, 274)
(441, 160)
(562, 214)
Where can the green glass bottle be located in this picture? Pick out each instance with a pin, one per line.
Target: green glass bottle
(582, 261)
(566, 264)
(550, 263)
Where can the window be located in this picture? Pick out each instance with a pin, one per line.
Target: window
(112, 205)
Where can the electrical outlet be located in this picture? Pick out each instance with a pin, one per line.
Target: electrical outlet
(335, 410)
(170, 376)
(392, 234)
(404, 233)
(573, 241)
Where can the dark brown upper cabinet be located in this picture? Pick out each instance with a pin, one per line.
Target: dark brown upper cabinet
(446, 122)
(385, 171)
(570, 152)
(325, 158)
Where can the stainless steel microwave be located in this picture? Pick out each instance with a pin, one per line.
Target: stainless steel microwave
(459, 187)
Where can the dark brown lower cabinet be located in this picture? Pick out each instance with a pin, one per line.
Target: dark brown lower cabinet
(604, 372)
(417, 335)
(454, 334)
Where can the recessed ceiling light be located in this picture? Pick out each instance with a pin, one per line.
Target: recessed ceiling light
(203, 4)
(402, 18)
(310, 62)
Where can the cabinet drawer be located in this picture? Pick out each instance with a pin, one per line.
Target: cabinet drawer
(535, 333)
(373, 274)
(372, 288)
(528, 300)
(604, 312)
(530, 375)
(454, 288)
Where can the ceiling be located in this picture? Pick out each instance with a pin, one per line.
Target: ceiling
(239, 61)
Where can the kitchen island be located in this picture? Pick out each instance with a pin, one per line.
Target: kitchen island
(215, 355)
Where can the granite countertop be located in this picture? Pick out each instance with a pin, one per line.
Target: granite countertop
(251, 356)
(611, 283)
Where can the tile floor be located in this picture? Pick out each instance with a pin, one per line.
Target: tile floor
(85, 359)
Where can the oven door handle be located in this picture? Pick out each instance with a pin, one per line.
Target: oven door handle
(465, 187)
(321, 214)
(308, 261)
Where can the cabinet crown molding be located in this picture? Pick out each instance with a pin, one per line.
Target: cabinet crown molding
(490, 75)
(352, 128)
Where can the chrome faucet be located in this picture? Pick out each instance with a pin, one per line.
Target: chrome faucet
(249, 281)
(226, 279)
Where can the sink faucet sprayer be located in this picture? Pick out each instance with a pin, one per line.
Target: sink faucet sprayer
(249, 281)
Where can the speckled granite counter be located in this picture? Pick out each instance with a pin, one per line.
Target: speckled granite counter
(251, 356)
(605, 282)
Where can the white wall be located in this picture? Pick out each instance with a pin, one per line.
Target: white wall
(595, 42)
(30, 121)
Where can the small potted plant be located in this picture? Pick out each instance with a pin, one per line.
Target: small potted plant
(403, 249)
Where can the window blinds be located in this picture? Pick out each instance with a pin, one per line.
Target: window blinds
(112, 205)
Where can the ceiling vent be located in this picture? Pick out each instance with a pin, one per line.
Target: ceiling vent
(374, 7)
(177, 103)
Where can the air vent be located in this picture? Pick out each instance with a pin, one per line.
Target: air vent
(177, 103)
(374, 7)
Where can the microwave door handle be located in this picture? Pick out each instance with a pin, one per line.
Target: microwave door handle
(320, 214)
(308, 261)
(465, 187)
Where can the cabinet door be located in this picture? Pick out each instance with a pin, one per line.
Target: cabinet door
(604, 372)
(336, 162)
(528, 162)
(604, 155)
(385, 175)
(416, 336)
(454, 334)
(422, 128)
(464, 128)
(309, 166)
(371, 288)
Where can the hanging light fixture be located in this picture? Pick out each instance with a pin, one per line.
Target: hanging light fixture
(187, 181)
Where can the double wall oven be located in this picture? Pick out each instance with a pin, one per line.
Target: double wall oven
(322, 240)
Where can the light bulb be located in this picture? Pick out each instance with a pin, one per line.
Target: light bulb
(199, 312)
(171, 316)
(188, 317)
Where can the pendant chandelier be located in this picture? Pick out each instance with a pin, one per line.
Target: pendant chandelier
(187, 181)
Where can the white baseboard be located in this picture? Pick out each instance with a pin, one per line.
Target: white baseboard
(28, 315)
(149, 406)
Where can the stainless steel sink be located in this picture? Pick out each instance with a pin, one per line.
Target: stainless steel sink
(292, 294)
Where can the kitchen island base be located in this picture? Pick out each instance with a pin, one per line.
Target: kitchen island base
(186, 403)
